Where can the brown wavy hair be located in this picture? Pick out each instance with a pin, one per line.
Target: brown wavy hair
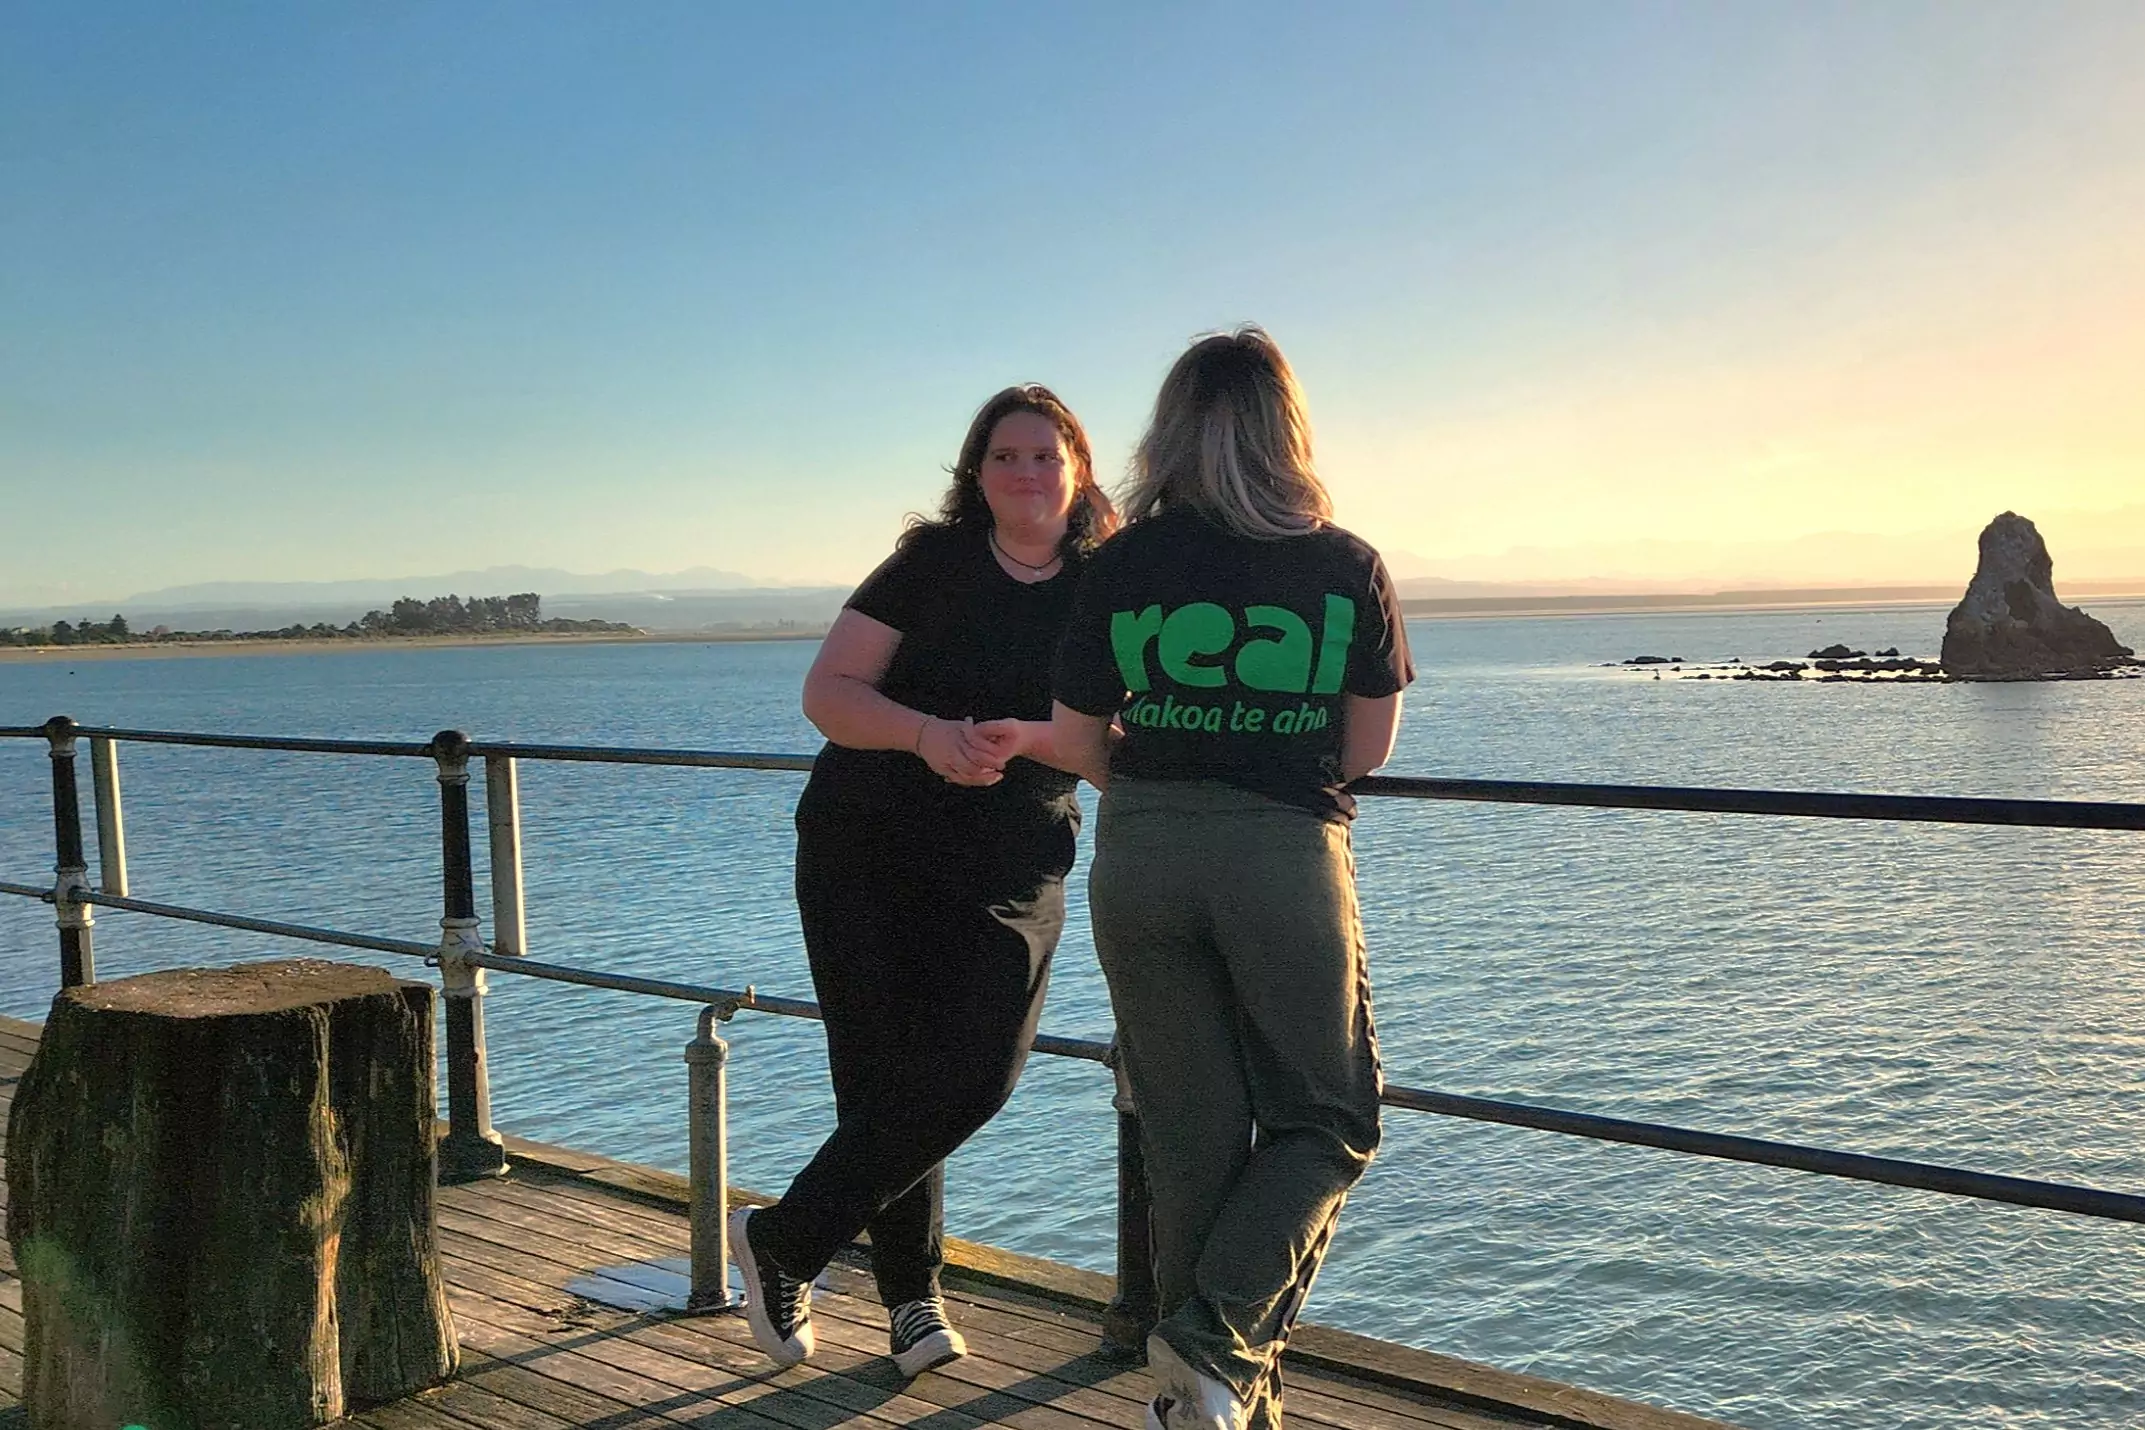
(1231, 438)
(1092, 519)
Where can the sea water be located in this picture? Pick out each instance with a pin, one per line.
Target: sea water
(1972, 996)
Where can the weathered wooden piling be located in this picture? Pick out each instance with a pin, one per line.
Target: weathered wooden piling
(221, 1200)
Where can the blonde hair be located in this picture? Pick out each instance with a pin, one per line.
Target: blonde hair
(1231, 438)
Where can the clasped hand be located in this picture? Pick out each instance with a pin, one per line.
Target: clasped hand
(966, 753)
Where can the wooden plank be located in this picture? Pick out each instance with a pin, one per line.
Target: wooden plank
(735, 1375)
(1016, 1376)
(1471, 1393)
(728, 1343)
(858, 1353)
(579, 1361)
(411, 1414)
(520, 1385)
(1060, 1364)
(854, 1343)
(459, 1403)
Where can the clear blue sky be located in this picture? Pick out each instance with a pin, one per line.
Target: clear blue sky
(339, 290)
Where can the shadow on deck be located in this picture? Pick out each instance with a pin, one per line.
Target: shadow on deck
(536, 1356)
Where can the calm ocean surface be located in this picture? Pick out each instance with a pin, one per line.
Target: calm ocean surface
(1960, 995)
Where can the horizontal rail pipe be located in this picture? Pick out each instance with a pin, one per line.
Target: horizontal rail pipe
(748, 999)
(296, 744)
(1906, 808)
(1853, 1166)
(28, 891)
(608, 755)
(276, 927)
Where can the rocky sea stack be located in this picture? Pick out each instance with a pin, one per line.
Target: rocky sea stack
(2010, 626)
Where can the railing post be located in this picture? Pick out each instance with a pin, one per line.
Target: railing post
(502, 808)
(70, 870)
(707, 1058)
(1134, 1310)
(111, 819)
(471, 1148)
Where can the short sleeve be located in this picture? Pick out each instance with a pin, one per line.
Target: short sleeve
(1086, 677)
(1381, 666)
(895, 593)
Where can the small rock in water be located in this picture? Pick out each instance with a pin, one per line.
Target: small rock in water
(1653, 660)
(2010, 626)
(1839, 652)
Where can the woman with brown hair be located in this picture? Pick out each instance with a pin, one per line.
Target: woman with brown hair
(931, 863)
(1254, 655)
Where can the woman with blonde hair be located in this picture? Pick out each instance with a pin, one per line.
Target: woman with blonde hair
(931, 864)
(1254, 655)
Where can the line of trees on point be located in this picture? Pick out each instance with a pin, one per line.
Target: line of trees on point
(442, 615)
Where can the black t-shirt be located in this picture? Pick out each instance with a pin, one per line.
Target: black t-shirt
(1227, 657)
(974, 642)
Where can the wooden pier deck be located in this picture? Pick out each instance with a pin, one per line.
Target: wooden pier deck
(536, 1356)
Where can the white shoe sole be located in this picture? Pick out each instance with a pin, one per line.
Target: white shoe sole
(1198, 1400)
(933, 1350)
(782, 1352)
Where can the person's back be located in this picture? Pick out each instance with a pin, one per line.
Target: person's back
(1254, 656)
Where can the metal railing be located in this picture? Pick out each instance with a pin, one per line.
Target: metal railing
(472, 1148)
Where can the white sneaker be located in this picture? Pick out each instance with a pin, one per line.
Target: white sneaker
(920, 1336)
(1188, 1399)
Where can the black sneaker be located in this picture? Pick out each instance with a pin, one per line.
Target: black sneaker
(777, 1305)
(921, 1337)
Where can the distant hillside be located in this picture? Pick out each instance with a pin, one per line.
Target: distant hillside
(666, 612)
(681, 601)
(547, 581)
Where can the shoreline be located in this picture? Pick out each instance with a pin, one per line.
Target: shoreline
(181, 650)
(1483, 608)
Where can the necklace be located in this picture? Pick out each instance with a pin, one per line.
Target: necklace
(1024, 565)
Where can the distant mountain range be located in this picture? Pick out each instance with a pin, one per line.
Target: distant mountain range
(701, 598)
(2095, 552)
(493, 580)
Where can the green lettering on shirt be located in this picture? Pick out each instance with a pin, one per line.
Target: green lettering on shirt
(1130, 634)
(1340, 633)
(1201, 628)
(1279, 659)
(1281, 664)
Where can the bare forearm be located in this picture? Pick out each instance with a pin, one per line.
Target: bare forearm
(1080, 744)
(1368, 728)
(850, 712)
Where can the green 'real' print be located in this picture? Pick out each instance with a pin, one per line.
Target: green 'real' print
(1186, 640)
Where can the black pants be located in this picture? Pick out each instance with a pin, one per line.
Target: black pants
(931, 991)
